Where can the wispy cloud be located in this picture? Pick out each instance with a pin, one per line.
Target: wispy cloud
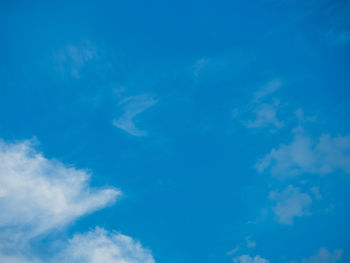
(249, 259)
(199, 65)
(338, 23)
(290, 203)
(132, 107)
(265, 115)
(262, 110)
(324, 256)
(72, 58)
(268, 89)
(250, 243)
(315, 190)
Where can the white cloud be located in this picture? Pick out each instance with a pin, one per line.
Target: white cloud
(99, 246)
(38, 196)
(132, 107)
(249, 259)
(290, 203)
(324, 256)
(307, 155)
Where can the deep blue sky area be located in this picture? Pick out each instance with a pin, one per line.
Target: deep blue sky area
(212, 131)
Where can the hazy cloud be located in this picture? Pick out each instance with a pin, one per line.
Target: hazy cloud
(249, 259)
(132, 107)
(72, 58)
(323, 155)
(269, 88)
(265, 115)
(262, 110)
(290, 203)
(324, 256)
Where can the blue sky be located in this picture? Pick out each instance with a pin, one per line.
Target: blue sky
(174, 131)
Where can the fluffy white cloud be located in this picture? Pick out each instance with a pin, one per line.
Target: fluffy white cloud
(249, 259)
(290, 203)
(324, 256)
(37, 194)
(99, 246)
(133, 106)
(307, 155)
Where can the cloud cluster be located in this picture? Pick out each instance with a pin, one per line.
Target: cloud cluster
(39, 196)
(304, 154)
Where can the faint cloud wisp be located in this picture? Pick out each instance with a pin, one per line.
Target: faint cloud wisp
(132, 107)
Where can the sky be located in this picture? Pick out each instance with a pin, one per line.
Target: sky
(174, 131)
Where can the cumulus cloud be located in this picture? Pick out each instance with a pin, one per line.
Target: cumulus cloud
(97, 246)
(324, 256)
(39, 196)
(290, 203)
(132, 107)
(304, 154)
(249, 259)
(100, 246)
